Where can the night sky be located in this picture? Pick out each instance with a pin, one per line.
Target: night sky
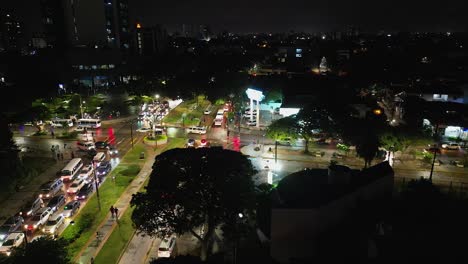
(308, 15)
(285, 15)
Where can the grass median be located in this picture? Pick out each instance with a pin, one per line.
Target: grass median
(193, 111)
(122, 234)
(90, 217)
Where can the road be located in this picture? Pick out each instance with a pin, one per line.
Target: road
(118, 133)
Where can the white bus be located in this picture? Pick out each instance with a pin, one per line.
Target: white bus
(70, 171)
(197, 130)
(61, 122)
(89, 123)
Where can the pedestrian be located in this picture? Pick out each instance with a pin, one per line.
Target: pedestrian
(92, 260)
(64, 145)
(228, 133)
(116, 212)
(53, 134)
(58, 156)
(112, 211)
(72, 154)
(61, 155)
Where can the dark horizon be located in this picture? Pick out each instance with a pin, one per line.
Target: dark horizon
(274, 17)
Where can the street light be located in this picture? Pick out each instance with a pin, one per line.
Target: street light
(183, 119)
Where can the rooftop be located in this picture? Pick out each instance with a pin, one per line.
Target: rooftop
(310, 188)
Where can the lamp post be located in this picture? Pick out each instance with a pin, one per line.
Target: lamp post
(183, 119)
(96, 185)
(157, 98)
(238, 218)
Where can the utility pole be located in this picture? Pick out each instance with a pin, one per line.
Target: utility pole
(276, 152)
(435, 153)
(96, 185)
(131, 131)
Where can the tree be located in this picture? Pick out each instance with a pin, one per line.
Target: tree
(187, 259)
(312, 120)
(191, 190)
(281, 128)
(367, 147)
(9, 159)
(46, 249)
(274, 95)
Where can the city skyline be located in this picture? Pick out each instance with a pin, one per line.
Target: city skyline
(272, 17)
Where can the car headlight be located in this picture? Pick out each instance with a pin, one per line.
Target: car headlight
(34, 226)
(26, 226)
(43, 230)
(40, 195)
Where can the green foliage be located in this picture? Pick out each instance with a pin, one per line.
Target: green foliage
(282, 128)
(46, 249)
(131, 170)
(40, 133)
(193, 187)
(342, 147)
(274, 95)
(220, 101)
(69, 135)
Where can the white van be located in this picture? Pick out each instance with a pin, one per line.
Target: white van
(71, 170)
(99, 157)
(196, 130)
(166, 247)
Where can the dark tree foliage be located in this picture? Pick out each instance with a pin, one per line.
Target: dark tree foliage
(192, 190)
(9, 160)
(178, 260)
(43, 250)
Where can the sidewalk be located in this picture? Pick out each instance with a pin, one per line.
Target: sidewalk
(94, 245)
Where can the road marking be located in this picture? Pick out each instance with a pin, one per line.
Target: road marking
(120, 141)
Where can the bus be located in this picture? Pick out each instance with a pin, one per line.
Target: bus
(89, 123)
(70, 171)
(61, 122)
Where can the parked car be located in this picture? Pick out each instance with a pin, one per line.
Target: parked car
(457, 163)
(13, 240)
(432, 150)
(71, 208)
(85, 191)
(56, 202)
(31, 207)
(166, 247)
(79, 128)
(451, 146)
(76, 186)
(39, 219)
(50, 188)
(103, 169)
(144, 129)
(12, 224)
(85, 146)
(53, 224)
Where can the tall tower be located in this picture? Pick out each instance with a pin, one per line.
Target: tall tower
(117, 23)
(11, 32)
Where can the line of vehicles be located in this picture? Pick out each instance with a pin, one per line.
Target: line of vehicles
(59, 198)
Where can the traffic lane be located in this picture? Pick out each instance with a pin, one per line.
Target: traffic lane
(286, 167)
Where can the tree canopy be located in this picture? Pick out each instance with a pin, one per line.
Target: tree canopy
(45, 249)
(196, 191)
(282, 128)
(312, 120)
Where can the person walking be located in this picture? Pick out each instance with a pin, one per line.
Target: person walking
(61, 155)
(72, 154)
(112, 211)
(116, 212)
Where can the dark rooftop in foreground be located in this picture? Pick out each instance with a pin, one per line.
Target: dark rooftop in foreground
(310, 188)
